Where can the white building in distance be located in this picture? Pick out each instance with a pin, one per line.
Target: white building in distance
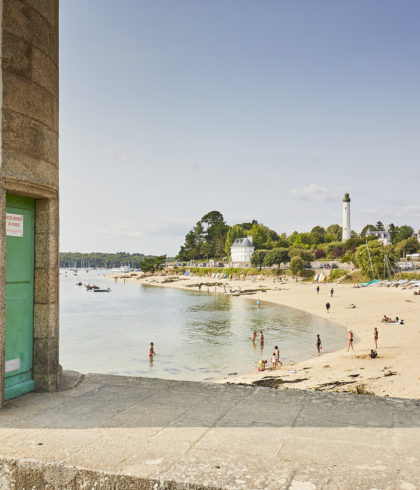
(241, 251)
(382, 235)
(346, 218)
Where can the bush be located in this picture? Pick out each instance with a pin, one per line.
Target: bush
(336, 274)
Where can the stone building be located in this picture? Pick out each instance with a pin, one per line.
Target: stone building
(241, 251)
(29, 197)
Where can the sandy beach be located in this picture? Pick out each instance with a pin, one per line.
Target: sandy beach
(396, 371)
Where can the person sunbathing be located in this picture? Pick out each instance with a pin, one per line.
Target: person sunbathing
(385, 319)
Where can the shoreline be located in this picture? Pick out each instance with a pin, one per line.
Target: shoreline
(396, 371)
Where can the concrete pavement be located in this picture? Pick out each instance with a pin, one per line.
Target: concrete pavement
(122, 432)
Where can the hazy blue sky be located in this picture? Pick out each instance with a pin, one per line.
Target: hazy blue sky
(263, 109)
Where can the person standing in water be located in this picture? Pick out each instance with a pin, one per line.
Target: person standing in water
(261, 338)
(254, 336)
(375, 337)
(318, 343)
(277, 352)
(152, 352)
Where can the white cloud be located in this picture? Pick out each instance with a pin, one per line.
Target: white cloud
(314, 192)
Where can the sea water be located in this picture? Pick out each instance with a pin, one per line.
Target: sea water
(197, 336)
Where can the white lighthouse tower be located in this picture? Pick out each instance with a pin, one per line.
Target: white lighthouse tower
(346, 218)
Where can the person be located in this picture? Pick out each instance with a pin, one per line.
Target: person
(350, 337)
(375, 337)
(261, 338)
(199, 287)
(352, 306)
(328, 306)
(332, 292)
(317, 290)
(273, 361)
(258, 303)
(254, 336)
(318, 343)
(277, 352)
(262, 364)
(152, 352)
(373, 354)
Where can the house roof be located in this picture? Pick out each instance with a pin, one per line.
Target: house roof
(242, 242)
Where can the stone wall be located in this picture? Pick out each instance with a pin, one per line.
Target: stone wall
(29, 162)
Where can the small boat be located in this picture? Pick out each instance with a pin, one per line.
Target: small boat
(108, 290)
(79, 284)
(91, 287)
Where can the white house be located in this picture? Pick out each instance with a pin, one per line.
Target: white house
(383, 236)
(241, 251)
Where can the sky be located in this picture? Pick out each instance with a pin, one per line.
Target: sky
(262, 109)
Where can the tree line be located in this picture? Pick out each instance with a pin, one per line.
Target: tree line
(212, 238)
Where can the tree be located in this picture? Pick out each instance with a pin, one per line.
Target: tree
(257, 258)
(152, 264)
(234, 232)
(296, 265)
(366, 228)
(318, 234)
(403, 232)
(409, 246)
(207, 238)
(277, 256)
(260, 235)
(305, 255)
(334, 232)
(393, 230)
(379, 226)
(372, 260)
(215, 233)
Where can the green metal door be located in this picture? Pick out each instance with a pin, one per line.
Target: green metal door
(20, 231)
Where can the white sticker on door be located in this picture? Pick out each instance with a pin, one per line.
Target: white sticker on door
(12, 365)
(14, 224)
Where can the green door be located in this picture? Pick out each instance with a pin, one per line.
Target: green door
(20, 231)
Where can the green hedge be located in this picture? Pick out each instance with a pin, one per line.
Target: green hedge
(336, 274)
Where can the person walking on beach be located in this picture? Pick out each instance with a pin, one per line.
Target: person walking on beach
(317, 290)
(332, 292)
(318, 344)
(328, 306)
(152, 352)
(261, 338)
(350, 338)
(375, 337)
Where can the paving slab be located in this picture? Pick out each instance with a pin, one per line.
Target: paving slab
(124, 432)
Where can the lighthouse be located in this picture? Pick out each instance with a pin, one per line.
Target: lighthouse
(346, 218)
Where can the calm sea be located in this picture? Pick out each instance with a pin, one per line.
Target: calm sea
(197, 336)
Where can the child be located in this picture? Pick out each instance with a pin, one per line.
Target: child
(274, 361)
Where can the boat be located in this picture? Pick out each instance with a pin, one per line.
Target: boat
(107, 290)
(91, 287)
